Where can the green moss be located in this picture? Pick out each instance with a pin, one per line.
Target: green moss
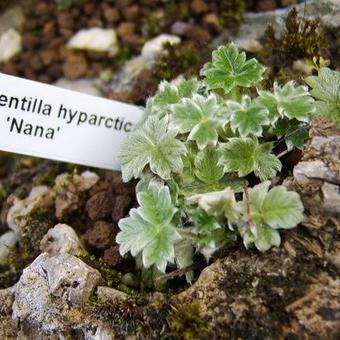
(151, 26)
(177, 59)
(232, 13)
(187, 322)
(302, 39)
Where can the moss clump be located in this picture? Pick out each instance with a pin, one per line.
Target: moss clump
(187, 322)
(302, 39)
(177, 59)
(232, 13)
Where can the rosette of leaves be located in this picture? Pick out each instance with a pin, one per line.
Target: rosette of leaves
(194, 152)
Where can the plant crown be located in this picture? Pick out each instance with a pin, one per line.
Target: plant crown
(195, 147)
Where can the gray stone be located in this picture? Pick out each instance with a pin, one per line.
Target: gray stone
(331, 198)
(111, 294)
(307, 172)
(126, 77)
(10, 44)
(49, 287)
(87, 86)
(40, 197)
(95, 39)
(7, 240)
(62, 239)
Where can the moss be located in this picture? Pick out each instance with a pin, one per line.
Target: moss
(151, 26)
(175, 60)
(187, 322)
(232, 13)
(302, 39)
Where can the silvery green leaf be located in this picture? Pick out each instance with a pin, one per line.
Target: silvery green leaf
(153, 145)
(269, 211)
(326, 89)
(248, 117)
(288, 101)
(245, 155)
(148, 229)
(169, 94)
(198, 116)
(207, 168)
(229, 68)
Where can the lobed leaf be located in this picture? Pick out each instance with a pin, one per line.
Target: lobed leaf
(229, 68)
(154, 145)
(246, 155)
(148, 229)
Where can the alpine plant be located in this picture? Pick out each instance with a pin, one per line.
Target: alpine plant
(199, 144)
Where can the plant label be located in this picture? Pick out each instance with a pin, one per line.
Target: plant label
(50, 122)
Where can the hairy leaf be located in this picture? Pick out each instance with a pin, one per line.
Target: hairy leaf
(184, 256)
(153, 145)
(248, 117)
(169, 94)
(229, 68)
(287, 101)
(245, 155)
(198, 116)
(148, 229)
(266, 211)
(326, 89)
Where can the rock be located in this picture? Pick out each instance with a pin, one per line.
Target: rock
(75, 66)
(10, 44)
(211, 21)
(12, 18)
(8, 329)
(309, 172)
(131, 12)
(62, 239)
(111, 294)
(190, 31)
(154, 47)
(49, 287)
(331, 198)
(100, 205)
(7, 241)
(40, 198)
(95, 39)
(125, 79)
(81, 85)
(112, 256)
(199, 6)
(69, 191)
(101, 236)
(121, 207)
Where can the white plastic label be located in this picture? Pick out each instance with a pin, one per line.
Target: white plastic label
(50, 122)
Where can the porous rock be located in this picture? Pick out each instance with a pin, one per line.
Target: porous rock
(40, 197)
(10, 44)
(49, 287)
(62, 239)
(7, 240)
(95, 39)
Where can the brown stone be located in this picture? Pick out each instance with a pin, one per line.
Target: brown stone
(199, 6)
(101, 236)
(112, 256)
(49, 30)
(126, 29)
(110, 14)
(212, 22)
(100, 205)
(35, 63)
(266, 5)
(131, 13)
(65, 20)
(48, 57)
(75, 66)
(121, 207)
